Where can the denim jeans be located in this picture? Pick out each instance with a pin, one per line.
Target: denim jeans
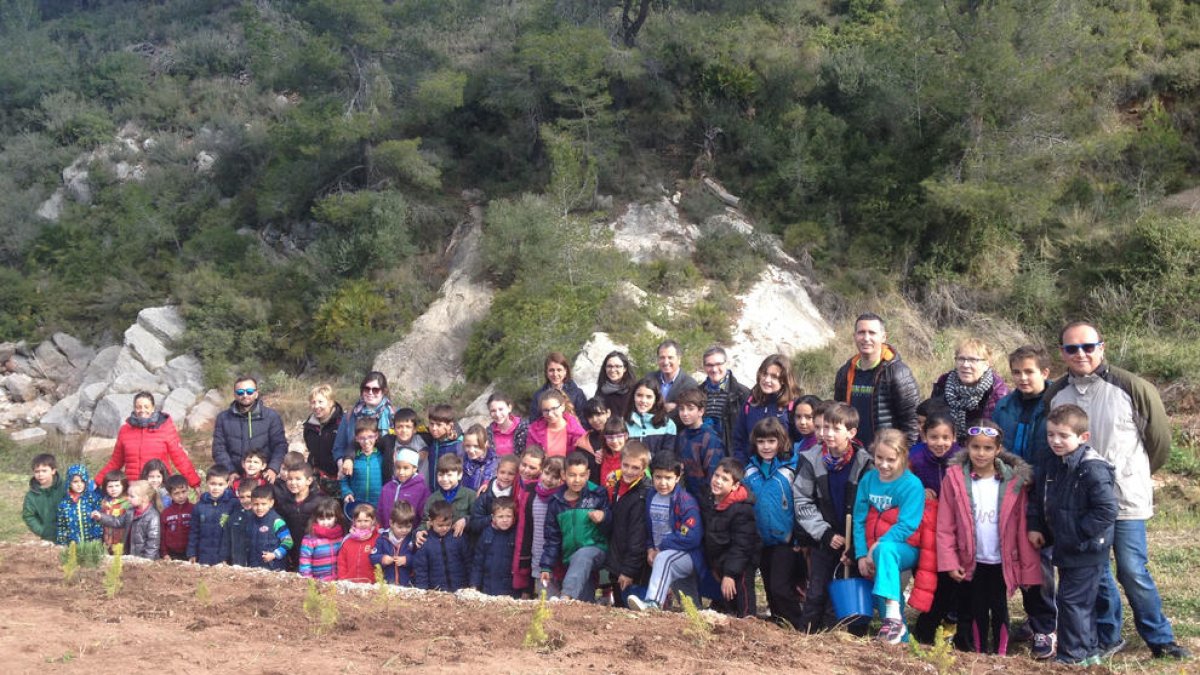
(577, 583)
(1129, 548)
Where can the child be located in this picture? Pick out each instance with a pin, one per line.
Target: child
(209, 516)
(115, 504)
(503, 485)
(490, 568)
(529, 473)
(557, 430)
(354, 557)
(297, 502)
(773, 395)
(696, 444)
(406, 485)
(395, 546)
(612, 444)
(235, 541)
(533, 534)
(155, 471)
(72, 519)
(46, 490)
(405, 422)
(1074, 509)
(269, 539)
(930, 456)
(291, 460)
(597, 415)
(769, 478)
(981, 533)
(649, 422)
(890, 516)
(675, 534)
(441, 564)
(479, 465)
(627, 492)
(177, 519)
(576, 537)
(141, 521)
(507, 431)
(451, 491)
(826, 485)
(446, 438)
(731, 541)
(322, 541)
(365, 484)
(253, 465)
(805, 424)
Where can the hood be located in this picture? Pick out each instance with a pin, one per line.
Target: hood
(254, 411)
(739, 494)
(77, 470)
(1008, 465)
(886, 356)
(54, 484)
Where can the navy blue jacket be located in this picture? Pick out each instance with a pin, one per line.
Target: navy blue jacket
(395, 574)
(731, 541)
(1026, 440)
(1074, 506)
(235, 543)
(481, 510)
(442, 563)
(750, 414)
(627, 541)
(491, 568)
(267, 534)
(207, 532)
(236, 432)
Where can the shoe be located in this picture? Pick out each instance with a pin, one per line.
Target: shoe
(1044, 646)
(1022, 633)
(639, 605)
(1093, 660)
(1171, 650)
(1107, 652)
(893, 631)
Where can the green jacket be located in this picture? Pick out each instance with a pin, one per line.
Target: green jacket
(41, 507)
(568, 527)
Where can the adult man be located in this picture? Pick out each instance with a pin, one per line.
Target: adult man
(877, 383)
(245, 425)
(671, 380)
(724, 395)
(1129, 428)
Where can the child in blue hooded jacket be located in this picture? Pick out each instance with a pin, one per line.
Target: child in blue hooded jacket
(769, 475)
(73, 522)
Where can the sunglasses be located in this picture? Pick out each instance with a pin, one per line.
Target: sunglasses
(372, 390)
(244, 392)
(984, 431)
(1087, 347)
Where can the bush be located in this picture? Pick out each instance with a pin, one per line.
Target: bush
(72, 120)
(728, 256)
(370, 231)
(402, 161)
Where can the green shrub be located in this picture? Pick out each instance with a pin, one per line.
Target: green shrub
(728, 256)
(402, 161)
(73, 120)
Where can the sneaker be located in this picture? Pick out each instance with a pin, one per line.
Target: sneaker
(1093, 660)
(639, 605)
(1022, 633)
(1109, 651)
(893, 631)
(1171, 650)
(1044, 646)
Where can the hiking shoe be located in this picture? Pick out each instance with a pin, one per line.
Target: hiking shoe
(892, 631)
(637, 604)
(1171, 650)
(1044, 646)
(1022, 633)
(1111, 650)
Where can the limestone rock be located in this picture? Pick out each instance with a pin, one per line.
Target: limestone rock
(205, 161)
(21, 387)
(30, 435)
(149, 348)
(101, 367)
(184, 371)
(53, 363)
(7, 351)
(590, 361)
(79, 354)
(75, 180)
(96, 445)
(89, 396)
(779, 317)
(62, 415)
(177, 403)
(110, 414)
(202, 415)
(25, 364)
(477, 411)
(217, 398)
(165, 323)
(52, 208)
(654, 231)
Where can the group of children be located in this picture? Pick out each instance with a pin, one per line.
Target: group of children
(640, 511)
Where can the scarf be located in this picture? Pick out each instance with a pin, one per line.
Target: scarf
(736, 495)
(383, 412)
(609, 388)
(832, 463)
(333, 532)
(396, 543)
(155, 419)
(498, 491)
(962, 398)
(544, 492)
(723, 385)
(361, 533)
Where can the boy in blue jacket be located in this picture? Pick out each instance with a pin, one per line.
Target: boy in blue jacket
(394, 549)
(491, 569)
(441, 564)
(576, 531)
(235, 542)
(268, 536)
(676, 535)
(697, 445)
(210, 516)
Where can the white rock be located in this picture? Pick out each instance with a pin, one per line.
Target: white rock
(177, 403)
(654, 231)
(21, 387)
(101, 367)
(149, 348)
(166, 323)
(590, 361)
(778, 317)
(477, 411)
(75, 180)
(205, 161)
(52, 208)
(201, 416)
(184, 370)
(90, 394)
(127, 363)
(217, 398)
(110, 414)
(53, 363)
(30, 435)
(79, 354)
(96, 445)
(62, 415)
(25, 365)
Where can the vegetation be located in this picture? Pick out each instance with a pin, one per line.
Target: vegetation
(697, 628)
(536, 636)
(70, 563)
(203, 594)
(321, 607)
(112, 575)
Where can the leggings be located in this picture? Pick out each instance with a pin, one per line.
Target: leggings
(989, 609)
(669, 567)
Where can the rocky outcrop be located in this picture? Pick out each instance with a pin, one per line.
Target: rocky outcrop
(653, 231)
(778, 316)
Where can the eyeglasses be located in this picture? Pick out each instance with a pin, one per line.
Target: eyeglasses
(372, 390)
(547, 411)
(614, 366)
(244, 392)
(1087, 347)
(968, 360)
(615, 437)
(983, 431)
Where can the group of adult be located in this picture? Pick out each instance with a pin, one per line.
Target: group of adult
(1128, 424)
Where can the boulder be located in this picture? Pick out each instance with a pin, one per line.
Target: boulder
(75, 180)
(184, 371)
(165, 323)
(7, 351)
(21, 387)
(218, 398)
(24, 364)
(30, 435)
(202, 415)
(653, 231)
(101, 367)
(79, 354)
(110, 414)
(590, 361)
(148, 347)
(778, 317)
(89, 396)
(177, 403)
(62, 415)
(53, 363)
(477, 411)
(52, 208)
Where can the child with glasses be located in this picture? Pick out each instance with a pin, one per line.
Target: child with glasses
(557, 430)
(365, 484)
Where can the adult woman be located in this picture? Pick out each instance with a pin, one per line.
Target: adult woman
(558, 378)
(373, 403)
(774, 395)
(615, 384)
(557, 430)
(320, 431)
(973, 388)
(148, 434)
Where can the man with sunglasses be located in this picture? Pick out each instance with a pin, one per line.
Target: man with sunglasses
(248, 424)
(1130, 429)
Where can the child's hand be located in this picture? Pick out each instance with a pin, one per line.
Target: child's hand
(650, 554)
(419, 539)
(1036, 539)
(838, 542)
(482, 489)
(596, 516)
(930, 494)
(401, 560)
(387, 560)
(192, 559)
(958, 574)
(459, 526)
(866, 567)
(95, 515)
(269, 556)
(348, 498)
(728, 588)
(624, 581)
(544, 577)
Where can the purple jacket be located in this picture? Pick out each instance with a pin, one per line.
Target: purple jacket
(930, 468)
(414, 491)
(477, 473)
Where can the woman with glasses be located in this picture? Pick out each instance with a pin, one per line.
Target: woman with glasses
(615, 384)
(372, 403)
(556, 430)
(558, 378)
(973, 388)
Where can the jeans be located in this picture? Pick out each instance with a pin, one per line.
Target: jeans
(577, 583)
(1129, 548)
(1077, 594)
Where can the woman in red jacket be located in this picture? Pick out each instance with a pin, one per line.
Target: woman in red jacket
(149, 434)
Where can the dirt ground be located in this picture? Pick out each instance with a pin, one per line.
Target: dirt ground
(254, 622)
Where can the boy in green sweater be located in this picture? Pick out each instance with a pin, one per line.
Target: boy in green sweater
(46, 490)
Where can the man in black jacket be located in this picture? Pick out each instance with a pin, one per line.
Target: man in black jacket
(724, 395)
(247, 424)
(877, 383)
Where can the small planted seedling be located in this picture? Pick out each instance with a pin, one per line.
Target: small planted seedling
(321, 608)
(70, 563)
(698, 629)
(535, 636)
(112, 577)
(203, 595)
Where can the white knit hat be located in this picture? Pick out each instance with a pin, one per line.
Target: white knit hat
(408, 456)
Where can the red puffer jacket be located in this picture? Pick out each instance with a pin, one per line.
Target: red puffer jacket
(925, 539)
(136, 446)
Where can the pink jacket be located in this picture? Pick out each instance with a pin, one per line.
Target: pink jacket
(537, 434)
(956, 522)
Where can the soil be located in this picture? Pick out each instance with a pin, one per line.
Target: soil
(254, 622)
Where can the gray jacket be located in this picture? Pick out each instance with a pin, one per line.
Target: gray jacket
(145, 532)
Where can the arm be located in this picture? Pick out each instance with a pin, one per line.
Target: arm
(1155, 426)
(30, 515)
(480, 517)
(743, 544)
(153, 541)
(306, 552)
(1102, 500)
(341, 440)
(420, 568)
(116, 461)
(476, 577)
(911, 498)
(741, 437)
(905, 395)
(285, 538)
(179, 457)
(635, 554)
(688, 535)
(861, 506)
(947, 527)
(552, 536)
(116, 521)
(220, 445)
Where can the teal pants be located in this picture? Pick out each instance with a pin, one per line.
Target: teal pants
(891, 558)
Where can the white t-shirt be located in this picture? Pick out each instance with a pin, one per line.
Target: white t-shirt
(985, 496)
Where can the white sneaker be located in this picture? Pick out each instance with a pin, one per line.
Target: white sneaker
(639, 605)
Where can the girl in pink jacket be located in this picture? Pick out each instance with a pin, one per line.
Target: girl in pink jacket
(981, 538)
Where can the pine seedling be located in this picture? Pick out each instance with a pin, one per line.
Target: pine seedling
(536, 636)
(112, 577)
(91, 553)
(312, 600)
(70, 562)
(383, 595)
(940, 654)
(203, 595)
(321, 608)
(698, 629)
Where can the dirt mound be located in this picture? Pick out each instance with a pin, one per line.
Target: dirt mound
(254, 622)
